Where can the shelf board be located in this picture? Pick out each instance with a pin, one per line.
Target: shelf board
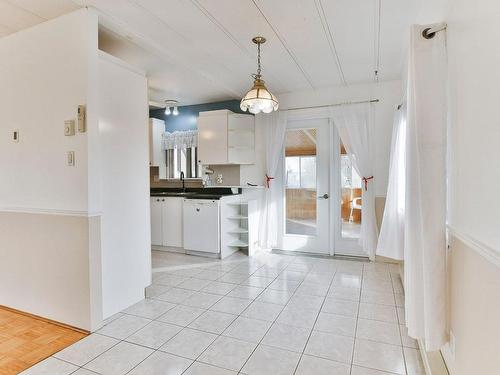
(238, 231)
(237, 204)
(238, 217)
(239, 244)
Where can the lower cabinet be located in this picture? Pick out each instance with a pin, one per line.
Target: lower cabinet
(156, 221)
(166, 221)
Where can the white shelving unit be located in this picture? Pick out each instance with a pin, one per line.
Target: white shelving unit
(239, 225)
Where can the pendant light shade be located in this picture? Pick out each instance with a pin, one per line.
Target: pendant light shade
(259, 98)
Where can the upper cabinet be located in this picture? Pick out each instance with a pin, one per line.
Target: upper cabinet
(225, 137)
(157, 156)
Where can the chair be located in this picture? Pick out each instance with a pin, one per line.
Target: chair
(356, 204)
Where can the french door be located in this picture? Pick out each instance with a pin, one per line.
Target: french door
(321, 194)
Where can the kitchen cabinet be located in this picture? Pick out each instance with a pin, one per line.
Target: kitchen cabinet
(157, 156)
(172, 222)
(156, 221)
(201, 223)
(166, 221)
(225, 137)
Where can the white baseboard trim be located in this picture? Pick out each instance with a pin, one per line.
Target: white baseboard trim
(433, 361)
(448, 359)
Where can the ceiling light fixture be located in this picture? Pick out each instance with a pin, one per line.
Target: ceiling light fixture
(171, 104)
(259, 98)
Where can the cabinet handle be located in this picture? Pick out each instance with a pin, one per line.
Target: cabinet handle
(157, 200)
(163, 200)
(197, 210)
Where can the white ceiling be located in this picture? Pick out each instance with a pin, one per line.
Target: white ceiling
(199, 51)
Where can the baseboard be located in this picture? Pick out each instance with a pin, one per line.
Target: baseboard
(45, 319)
(449, 360)
(433, 361)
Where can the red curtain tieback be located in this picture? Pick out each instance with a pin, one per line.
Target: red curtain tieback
(268, 180)
(365, 180)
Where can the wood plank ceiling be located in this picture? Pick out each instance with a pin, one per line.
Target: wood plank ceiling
(200, 50)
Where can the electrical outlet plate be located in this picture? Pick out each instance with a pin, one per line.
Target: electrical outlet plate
(69, 127)
(219, 179)
(70, 158)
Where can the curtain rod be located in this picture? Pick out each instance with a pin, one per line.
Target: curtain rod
(333, 105)
(430, 32)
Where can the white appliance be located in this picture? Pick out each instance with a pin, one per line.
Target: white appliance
(201, 225)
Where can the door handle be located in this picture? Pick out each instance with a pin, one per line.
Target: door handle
(324, 196)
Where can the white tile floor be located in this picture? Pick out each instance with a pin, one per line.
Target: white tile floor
(272, 314)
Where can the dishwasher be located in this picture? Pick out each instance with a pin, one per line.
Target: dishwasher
(201, 225)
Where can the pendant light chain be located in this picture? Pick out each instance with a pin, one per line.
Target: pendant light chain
(258, 60)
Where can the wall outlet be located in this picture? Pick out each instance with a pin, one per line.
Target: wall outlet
(70, 158)
(219, 179)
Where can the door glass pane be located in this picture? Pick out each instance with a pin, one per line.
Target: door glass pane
(300, 182)
(351, 197)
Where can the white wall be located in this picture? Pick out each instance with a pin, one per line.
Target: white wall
(474, 257)
(123, 141)
(43, 75)
(389, 94)
(45, 264)
(73, 240)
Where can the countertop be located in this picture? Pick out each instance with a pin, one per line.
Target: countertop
(193, 193)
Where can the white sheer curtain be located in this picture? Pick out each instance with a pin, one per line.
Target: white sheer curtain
(274, 124)
(355, 126)
(425, 211)
(391, 238)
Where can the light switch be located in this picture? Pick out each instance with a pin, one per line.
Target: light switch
(70, 158)
(69, 127)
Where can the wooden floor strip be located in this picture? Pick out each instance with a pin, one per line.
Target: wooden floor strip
(26, 340)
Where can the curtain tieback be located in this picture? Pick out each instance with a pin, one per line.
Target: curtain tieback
(365, 180)
(268, 180)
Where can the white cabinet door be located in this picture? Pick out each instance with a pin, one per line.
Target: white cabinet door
(157, 157)
(212, 138)
(201, 225)
(156, 221)
(241, 139)
(172, 222)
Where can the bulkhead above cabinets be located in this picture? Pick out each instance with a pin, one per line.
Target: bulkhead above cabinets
(225, 137)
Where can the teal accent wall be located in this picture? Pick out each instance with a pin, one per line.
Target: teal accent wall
(188, 115)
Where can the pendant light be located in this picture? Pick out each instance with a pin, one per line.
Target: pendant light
(259, 98)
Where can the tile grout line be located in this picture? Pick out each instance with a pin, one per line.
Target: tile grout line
(317, 316)
(357, 319)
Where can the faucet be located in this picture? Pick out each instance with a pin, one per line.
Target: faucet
(183, 182)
